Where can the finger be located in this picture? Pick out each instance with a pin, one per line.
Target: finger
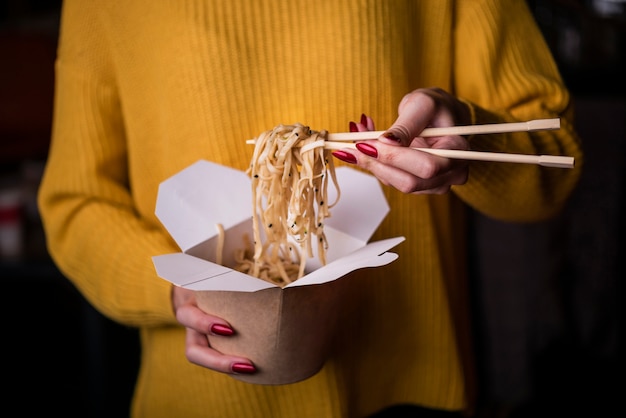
(410, 171)
(199, 352)
(414, 114)
(359, 127)
(443, 183)
(409, 183)
(415, 162)
(417, 110)
(367, 122)
(193, 317)
(402, 180)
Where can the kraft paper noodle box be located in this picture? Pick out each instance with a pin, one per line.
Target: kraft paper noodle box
(285, 332)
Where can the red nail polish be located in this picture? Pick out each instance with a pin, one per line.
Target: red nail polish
(363, 119)
(367, 149)
(224, 330)
(390, 135)
(353, 127)
(345, 157)
(243, 368)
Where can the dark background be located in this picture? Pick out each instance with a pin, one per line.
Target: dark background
(547, 296)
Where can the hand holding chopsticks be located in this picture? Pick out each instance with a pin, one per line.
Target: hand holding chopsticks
(347, 139)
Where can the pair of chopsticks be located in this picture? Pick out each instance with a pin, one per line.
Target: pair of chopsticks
(347, 139)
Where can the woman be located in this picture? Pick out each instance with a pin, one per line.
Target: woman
(145, 89)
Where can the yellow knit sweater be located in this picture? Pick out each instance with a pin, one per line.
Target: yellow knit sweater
(146, 88)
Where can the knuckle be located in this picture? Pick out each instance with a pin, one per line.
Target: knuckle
(428, 169)
(407, 185)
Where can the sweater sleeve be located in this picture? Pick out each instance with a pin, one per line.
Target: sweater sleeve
(94, 233)
(508, 69)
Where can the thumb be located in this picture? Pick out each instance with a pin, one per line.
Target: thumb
(414, 113)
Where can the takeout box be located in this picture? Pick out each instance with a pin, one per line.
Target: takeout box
(286, 332)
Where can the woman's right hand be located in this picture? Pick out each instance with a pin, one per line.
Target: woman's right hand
(199, 325)
(390, 157)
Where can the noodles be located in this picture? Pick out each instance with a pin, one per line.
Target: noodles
(274, 273)
(290, 171)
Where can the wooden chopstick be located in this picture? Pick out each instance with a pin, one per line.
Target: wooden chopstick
(543, 160)
(492, 128)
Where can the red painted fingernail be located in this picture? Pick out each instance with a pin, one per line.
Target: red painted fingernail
(367, 149)
(243, 368)
(345, 157)
(363, 119)
(390, 135)
(353, 127)
(222, 330)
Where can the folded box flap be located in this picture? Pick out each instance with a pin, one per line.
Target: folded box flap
(194, 273)
(373, 255)
(192, 202)
(362, 205)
